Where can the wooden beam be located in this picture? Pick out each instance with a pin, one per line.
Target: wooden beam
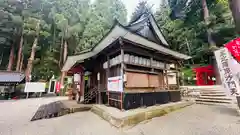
(113, 52)
(166, 75)
(172, 71)
(141, 71)
(138, 51)
(147, 53)
(177, 76)
(151, 63)
(122, 57)
(128, 41)
(150, 49)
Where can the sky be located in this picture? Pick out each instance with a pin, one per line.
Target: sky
(132, 4)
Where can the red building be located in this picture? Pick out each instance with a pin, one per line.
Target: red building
(205, 75)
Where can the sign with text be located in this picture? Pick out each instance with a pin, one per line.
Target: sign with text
(34, 87)
(76, 78)
(115, 84)
(228, 74)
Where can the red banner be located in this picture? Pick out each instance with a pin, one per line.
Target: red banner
(57, 87)
(234, 48)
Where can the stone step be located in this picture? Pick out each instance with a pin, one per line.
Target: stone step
(50, 95)
(214, 101)
(215, 98)
(214, 95)
(212, 92)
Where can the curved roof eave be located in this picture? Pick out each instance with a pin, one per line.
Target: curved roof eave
(120, 31)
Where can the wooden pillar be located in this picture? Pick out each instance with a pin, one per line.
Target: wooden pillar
(62, 82)
(108, 75)
(166, 75)
(99, 88)
(122, 71)
(82, 86)
(177, 75)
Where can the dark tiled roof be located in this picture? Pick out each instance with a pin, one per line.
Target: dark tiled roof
(11, 77)
(146, 27)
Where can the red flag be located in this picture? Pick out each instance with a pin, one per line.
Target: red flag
(234, 48)
(57, 87)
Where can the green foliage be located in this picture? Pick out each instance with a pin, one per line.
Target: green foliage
(187, 33)
(103, 13)
(80, 23)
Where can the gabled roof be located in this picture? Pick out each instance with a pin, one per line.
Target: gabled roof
(145, 25)
(11, 77)
(116, 32)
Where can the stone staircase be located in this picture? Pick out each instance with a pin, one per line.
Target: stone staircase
(213, 96)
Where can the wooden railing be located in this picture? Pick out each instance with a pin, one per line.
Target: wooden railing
(90, 95)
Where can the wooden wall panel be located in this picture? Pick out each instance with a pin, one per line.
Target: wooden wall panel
(137, 80)
(115, 71)
(153, 81)
(161, 80)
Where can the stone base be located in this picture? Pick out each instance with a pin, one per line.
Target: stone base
(132, 117)
(238, 111)
(59, 108)
(238, 101)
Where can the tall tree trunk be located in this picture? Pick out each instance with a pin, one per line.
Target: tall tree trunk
(21, 63)
(65, 51)
(11, 59)
(207, 22)
(19, 54)
(30, 60)
(61, 54)
(1, 58)
(235, 8)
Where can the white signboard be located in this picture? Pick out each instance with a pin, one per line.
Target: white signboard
(115, 84)
(35, 87)
(76, 77)
(228, 72)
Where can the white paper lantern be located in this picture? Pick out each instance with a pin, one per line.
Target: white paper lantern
(136, 59)
(126, 58)
(148, 62)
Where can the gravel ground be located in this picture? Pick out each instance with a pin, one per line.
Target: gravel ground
(194, 120)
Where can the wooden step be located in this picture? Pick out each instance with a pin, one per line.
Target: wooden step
(213, 101)
(215, 98)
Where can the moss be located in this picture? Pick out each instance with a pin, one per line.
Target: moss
(132, 120)
(155, 113)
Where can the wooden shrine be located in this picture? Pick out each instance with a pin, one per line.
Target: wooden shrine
(132, 66)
